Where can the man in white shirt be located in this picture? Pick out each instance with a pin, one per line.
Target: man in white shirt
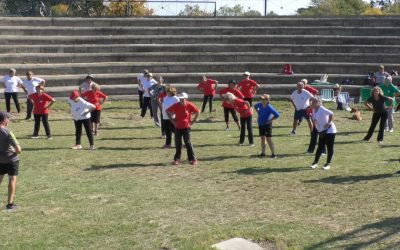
(140, 78)
(147, 82)
(300, 100)
(29, 86)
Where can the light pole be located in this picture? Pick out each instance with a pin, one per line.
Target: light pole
(265, 5)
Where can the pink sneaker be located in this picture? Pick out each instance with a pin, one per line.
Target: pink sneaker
(166, 146)
(176, 162)
(193, 162)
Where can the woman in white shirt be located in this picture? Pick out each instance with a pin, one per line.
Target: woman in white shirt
(322, 118)
(11, 84)
(81, 113)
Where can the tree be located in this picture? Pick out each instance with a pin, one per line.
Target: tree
(194, 10)
(121, 8)
(237, 10)
(334, 8)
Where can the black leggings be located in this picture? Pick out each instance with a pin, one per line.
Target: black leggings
(250, 100)
(140, 93)
(233, 113)
(375, 119)
(78, 131)
(169, 129)
(313, 141)
(146, 104)
(243, 123)
(208, 98)
(14, 96)
(327, 140)
(29, 108)
(44, 118)
(185, 134)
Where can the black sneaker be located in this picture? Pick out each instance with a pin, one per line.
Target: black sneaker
(11, 206)
(273, 156)
(262, 155)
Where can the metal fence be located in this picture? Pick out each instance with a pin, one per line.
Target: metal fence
(128, 8)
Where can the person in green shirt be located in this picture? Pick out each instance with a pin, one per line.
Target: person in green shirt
(389, 90)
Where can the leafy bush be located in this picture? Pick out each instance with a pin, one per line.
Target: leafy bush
(59, 9)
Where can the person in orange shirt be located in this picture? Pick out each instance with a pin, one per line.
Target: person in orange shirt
(248, 87)
(208, 86)
(97, 98)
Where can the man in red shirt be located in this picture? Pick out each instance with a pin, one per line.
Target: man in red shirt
(229, 108)
(183, 112)
(248, 87)
(208, 86)
(41, 103)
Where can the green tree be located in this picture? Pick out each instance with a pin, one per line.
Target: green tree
(334, 8)
(237, 10)
(194, 10)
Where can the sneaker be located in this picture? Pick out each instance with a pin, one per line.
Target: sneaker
(92, 147)
(11, 206)
(391, 130)
(309, 153)
(163, 136)
(293, 133)
(241, 144)
(327, 166)
(251, 145)
(166, 146)
(366, 141)
(386, 129)
(226, 129)
(49, 138)
(273, 156)
(157, 124)
(380, 142)
(176, 162)
(193, 162)
(262, 155)
(314, 165)
(34, 137)
(323, 154)
(76, 147)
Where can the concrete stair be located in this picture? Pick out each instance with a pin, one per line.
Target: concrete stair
(115, 50)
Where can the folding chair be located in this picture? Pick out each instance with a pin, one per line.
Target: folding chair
(365, 93)
(327, 95)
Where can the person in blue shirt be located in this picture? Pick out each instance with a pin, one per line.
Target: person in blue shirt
(266, 114)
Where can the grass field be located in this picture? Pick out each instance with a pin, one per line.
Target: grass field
(127, 195)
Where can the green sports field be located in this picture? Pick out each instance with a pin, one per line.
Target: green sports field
(127, 195)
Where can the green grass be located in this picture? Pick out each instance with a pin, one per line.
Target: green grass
(127, 195)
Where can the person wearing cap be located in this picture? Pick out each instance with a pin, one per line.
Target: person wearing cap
(246, 117)
(11, 83)
(147, 82)
(389, 90)
(248, 87)
(379, 77)
(167, 99)
(266, 114)
(41, 104)
(81, 114)
(208, 86)
(300, 101)
(140, 79)
(155, 90)
(322, 118)
(29, 87)
(97, 98)
(9, 161)
(87, 84)
(183, 112)
(228, 107)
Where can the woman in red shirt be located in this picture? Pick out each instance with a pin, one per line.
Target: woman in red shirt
(246, 117)
(228, 108)
(41, 104)
(208, 86)
(97, 98)
(248, 87)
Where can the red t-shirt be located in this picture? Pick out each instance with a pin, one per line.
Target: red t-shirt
(183, 114)
(162, 95)
(242, 108)
(236, 92)
(208, 87)
(40, 102)
(312, 90)
(247, 88)
(94, 98)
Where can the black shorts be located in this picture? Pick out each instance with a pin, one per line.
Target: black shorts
(10, 168)
(95, 116)
(265, 130)
(299, 114)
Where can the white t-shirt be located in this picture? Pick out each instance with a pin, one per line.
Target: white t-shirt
(301, 101)
(321, 118)
(85, 86)
(30, 85)
(146, 85)
(11, 83)
(80, 107)
(168, 102)
(140, 79)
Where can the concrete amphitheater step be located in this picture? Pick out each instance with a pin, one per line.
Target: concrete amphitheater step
(361, 21)
(190, 39)
(203, 57)
(218, 47)
(193, 67)
(197, 30)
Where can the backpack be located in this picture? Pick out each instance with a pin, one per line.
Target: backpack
(287, 69)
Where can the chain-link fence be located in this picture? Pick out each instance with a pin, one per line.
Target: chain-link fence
(126, 8)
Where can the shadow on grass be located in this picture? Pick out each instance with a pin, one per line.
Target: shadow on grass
(351, 133)
(118, 128)
(129, 148)
(129, 138)
(47, 148)
(208, 120)
(223, 157)
(258, 171)
(125, 165)
(390, 146)
(351, 179)
(348, 142)
(382, 234)
(214, 145)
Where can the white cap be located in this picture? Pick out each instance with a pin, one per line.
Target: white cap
(183, 95)
(246, 73)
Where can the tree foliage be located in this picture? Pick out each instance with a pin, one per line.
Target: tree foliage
(195, 10)
(237, 10)
(334, 8)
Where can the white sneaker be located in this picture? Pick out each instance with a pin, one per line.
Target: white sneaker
(380, 142)
(76, 147)
(251, 145)
(386, 129)
(314, 166)
(323, 154)
(326, 167)
(34, 137)
(391, 130)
